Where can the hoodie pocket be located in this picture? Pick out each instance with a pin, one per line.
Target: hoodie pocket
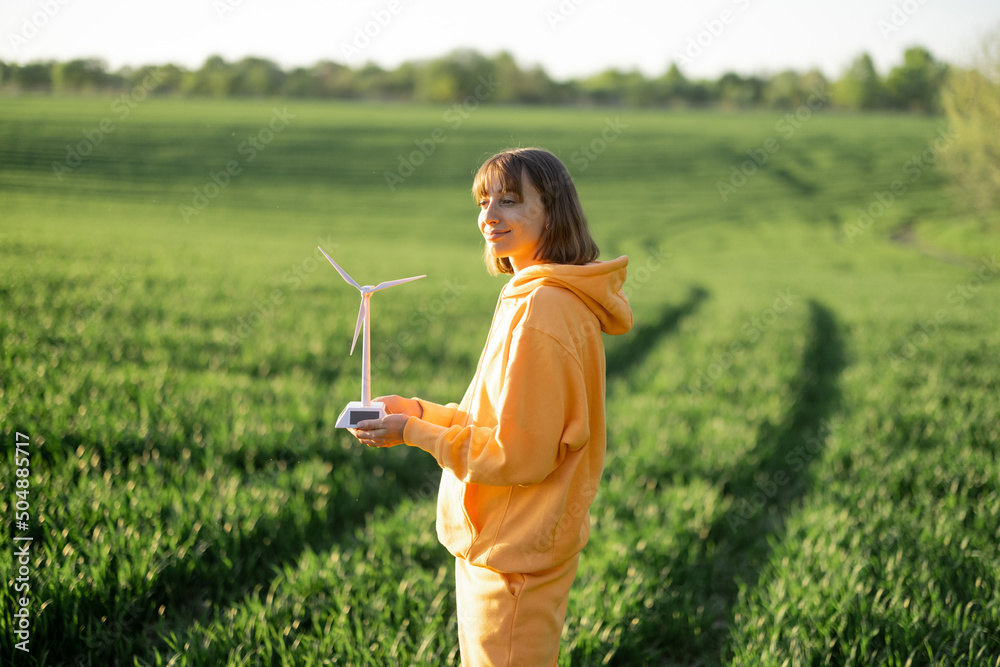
(514, 583)
(454, 529)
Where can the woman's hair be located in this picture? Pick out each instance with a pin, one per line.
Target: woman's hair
(566, 238)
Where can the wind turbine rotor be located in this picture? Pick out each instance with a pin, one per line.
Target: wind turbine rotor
(361, 320)
(342, 273)
(357, 411)
(393, 283)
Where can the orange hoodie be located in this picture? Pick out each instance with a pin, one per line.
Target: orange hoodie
(523, 453)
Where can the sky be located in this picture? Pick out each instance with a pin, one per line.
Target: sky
(569, 38)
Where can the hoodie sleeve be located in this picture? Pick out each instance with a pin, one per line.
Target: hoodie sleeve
(542, 412)
(442, 415)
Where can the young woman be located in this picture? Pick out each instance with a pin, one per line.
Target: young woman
(523, 452)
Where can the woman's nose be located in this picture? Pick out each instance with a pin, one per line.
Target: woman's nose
(489, 215)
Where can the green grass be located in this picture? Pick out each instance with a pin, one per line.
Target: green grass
(811, 480)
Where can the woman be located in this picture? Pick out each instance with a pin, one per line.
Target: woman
(522, 454)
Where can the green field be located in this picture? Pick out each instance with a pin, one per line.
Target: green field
(803, 426)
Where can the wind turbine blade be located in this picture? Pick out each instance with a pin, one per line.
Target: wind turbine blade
(343, 273)
(393, 283)
(361, 319)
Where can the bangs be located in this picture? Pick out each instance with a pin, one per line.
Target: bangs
(566, 238)
(505, 170)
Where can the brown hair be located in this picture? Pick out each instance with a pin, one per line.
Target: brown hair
(566, 238)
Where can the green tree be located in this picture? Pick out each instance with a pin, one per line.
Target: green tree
(33, 77)
(673, 88)
(371, 81)
(401, 82)
(80, 75)
(861, 87)
(333, 80)
(814, 82)
(971, 100)
(534, 86)
(300, 82)
(159, 79)
(613, 86)
(734, 91)
(436, 81)
(916, 84)
(216, 77)
(454, 78)
(672, 84)
(519, 85)
(784, 90)
(506, 69)
(257, 76)
(790, 90)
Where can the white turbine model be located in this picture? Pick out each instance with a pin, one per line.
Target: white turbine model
(359, 411)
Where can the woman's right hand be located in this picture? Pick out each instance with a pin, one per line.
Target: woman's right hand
(397, 405)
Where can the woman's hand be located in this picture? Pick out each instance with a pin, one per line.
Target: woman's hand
(397, 405)
(388, 431)
(385, 432)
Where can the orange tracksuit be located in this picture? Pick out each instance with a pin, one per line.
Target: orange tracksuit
(522, 456)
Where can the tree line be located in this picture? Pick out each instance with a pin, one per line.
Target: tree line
(913, 85)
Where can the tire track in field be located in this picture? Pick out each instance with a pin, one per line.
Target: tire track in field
(710, 567)
(743, 539)
(639, 342)
(216, 584)
(201, 593)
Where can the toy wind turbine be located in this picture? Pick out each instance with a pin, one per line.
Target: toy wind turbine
(359, 411)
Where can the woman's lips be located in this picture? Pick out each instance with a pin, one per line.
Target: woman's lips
(493, 236)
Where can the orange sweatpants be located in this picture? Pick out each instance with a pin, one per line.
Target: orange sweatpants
(511, 620)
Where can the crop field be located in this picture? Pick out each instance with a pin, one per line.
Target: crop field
(803, 426)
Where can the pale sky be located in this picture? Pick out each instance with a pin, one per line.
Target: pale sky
(569, 38)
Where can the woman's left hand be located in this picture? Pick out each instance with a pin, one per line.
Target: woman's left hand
(385, 432)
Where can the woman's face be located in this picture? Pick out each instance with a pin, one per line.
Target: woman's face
(512, 225)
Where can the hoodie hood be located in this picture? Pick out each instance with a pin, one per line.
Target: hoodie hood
(598, 285)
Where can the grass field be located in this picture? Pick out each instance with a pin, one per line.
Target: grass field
(803, 426)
